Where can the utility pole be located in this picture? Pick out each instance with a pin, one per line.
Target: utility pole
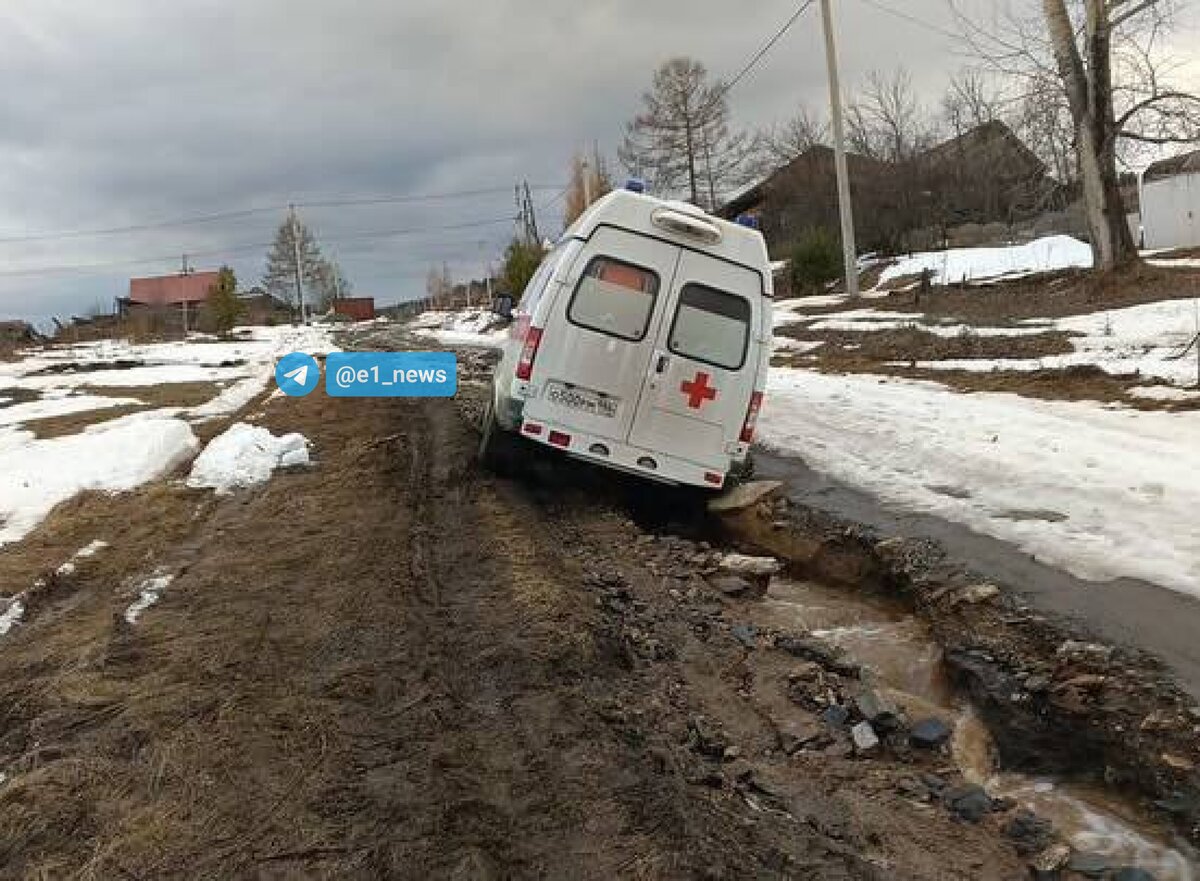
(296, 258)
(184, 270)
(846, 209)
(587, 184)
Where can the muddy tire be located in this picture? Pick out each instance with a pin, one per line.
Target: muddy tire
(496, 446)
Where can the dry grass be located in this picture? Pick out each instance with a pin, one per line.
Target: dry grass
(171, 394)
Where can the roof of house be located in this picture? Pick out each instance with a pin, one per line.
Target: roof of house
(987, 143)
(982, 143)
(753, 195)
(171, 290)
(1184, 163)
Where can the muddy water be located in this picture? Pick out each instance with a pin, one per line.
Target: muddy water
(899, 648)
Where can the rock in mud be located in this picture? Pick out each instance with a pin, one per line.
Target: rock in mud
(802, 734)
(1090, 865)
(866, 741)
(976, 594)
(1050, 862)
(836, 717)
(740, 564)
(929, 733)
(968, 803)
(878, 709)
(746, 495)
(746, 634)
(1030, 833)
(809, 649)
(706, 739)
(1129, 873)
(733, 586)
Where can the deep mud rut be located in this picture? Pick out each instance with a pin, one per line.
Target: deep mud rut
(393, 666)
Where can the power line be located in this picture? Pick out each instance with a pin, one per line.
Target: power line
(767, 47)
(912, 19)
(199, 219)
(238, 249)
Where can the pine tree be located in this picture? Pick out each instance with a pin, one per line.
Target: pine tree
(682, 141)
(224, 307)
(279, 280)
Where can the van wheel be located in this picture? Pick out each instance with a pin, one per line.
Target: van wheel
(741, 473)
(495, 444)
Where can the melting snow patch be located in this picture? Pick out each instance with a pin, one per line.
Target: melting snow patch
(12, 615)
(150, 593)
(246, 455)
(233, 398)
(90, 550)
(36, 475)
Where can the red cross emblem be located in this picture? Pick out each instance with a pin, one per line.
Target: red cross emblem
(698, 391)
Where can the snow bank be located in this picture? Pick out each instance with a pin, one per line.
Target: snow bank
(1123, 485)
(12, 616)
(36, 475)
(233, 398)
(974, 264)
(246, 455)
(471, 327)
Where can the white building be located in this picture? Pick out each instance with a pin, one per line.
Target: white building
(1171, 203)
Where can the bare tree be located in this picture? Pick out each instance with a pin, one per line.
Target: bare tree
(783, 143)
(971, 100)
(886, 121)
(682, 140)
(1104, 59)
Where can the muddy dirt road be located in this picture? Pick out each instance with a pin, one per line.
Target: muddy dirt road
(392, 666)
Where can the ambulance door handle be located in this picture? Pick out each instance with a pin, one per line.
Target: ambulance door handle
(661, 362)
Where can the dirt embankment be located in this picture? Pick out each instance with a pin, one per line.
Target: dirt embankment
(1056, 701)
(390, 665)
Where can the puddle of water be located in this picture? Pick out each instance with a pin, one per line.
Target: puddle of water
(899, 649)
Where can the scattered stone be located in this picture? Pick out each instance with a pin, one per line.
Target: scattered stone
(732, 753)
(1051, 861)
(1092, 651)
(740, 564)
(911, 787)
(802, 734)
(809, 649)
(732, 586)
(836, 717)
(929, 733)
(1030, 832)
(1090, 865)
(968, 802)
(878, 709)
(746, 634)
(977, 593)
(1178, 763)
(1129, 873)
(865, 739)
(806, 672)
(705, 739)
(936, 784)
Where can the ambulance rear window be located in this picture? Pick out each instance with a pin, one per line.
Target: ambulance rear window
(711, 326)
(615, 298)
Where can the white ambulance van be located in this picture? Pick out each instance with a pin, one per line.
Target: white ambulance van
(641, 344)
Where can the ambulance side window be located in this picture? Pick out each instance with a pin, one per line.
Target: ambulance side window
(537, 284)
(711, 326)
(615, 298)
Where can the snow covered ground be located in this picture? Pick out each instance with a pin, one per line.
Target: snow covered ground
(123, 453)
(1102, 493)
(979, 264)
(468, 327)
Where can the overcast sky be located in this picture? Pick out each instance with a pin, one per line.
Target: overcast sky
(127, 112)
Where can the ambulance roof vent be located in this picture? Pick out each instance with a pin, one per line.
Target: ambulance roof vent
(687, 223)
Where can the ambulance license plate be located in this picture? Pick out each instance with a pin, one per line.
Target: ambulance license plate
(584, 401)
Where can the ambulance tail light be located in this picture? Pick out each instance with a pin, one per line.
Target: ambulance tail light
(533, 339)
(751, 422)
